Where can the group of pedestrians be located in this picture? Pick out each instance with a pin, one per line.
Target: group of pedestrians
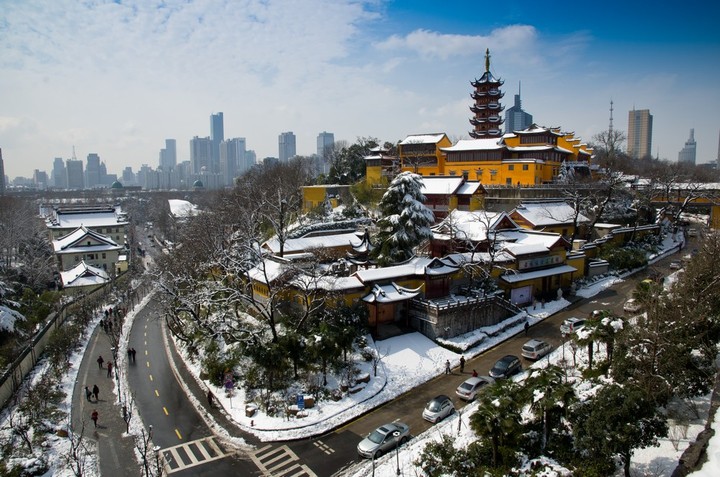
(462, 367)
(131, 355)
(95, 393)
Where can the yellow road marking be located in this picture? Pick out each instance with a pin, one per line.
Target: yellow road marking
(178, 434)
(151, 377)
(157, 393)
(165, 409)
(148, 364)
(146, 352)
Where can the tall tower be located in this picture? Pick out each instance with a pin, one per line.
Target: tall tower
(168, 155)
(639, 144)
(200, 154)
(515, 118)
(217, 135)
(2, 174)
(687, 153)
(74, 170)
(325, 143)
(92, 171)
(232, 159)
(286, 146)
(487, 107)
(59, 176)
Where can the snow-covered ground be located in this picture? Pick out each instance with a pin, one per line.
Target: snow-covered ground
(408, 361)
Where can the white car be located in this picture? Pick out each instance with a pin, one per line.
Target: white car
(536, 349)
(469, 389)
(675, 265)
(571, 325)
(438, 409)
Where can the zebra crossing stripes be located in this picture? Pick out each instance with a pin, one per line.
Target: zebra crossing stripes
(191, 454)
(280, 462)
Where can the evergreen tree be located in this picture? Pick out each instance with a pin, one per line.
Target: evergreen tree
(406, 221)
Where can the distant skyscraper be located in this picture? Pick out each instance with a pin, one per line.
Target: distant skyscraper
(92, 171)
(325, 143)
(168, 155)
(232, 159)
(200, 154)
(687, 153)
(74, 169)
(515, 118)
(40, 179)
(286, 146)
(2, 174)
(59, 175)
(128, 176)
(217, 135)
(639, 138)
(250, 159)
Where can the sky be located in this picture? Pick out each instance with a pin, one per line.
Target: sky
(117, 78)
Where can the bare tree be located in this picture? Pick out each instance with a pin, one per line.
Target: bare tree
(77, 455)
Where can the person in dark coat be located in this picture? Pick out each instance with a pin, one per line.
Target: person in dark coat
(96, 392)
(462, 364)
(109, 369)
(100, 362)
(133, 355)
(94, 417)
(88, 393)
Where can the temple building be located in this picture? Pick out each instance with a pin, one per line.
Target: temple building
(487, 107)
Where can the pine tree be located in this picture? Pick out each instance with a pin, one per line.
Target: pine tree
(405, 222)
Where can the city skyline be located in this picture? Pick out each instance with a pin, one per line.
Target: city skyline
(117, 78)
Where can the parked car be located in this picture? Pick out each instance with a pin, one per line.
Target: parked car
(438, 409)
(536, 349)
(692, 232)
(632, 306)
(506, 367)
(384, 438)
(675, 265)
(571, 325)
(469, 389)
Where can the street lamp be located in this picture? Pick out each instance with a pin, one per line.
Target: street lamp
(396, 434)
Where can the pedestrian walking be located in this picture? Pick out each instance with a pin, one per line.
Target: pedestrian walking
(527, 325)
(88, 393)
(100, 362)
(96, 392)
(474, 374)
(210, 398)
(109, 369)
(94, 417)
(447, 366)
(129, 352)
(462, 364)
(133, 355)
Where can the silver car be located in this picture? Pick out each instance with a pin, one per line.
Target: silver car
(469, 389)
(438, 409)
(383, 439)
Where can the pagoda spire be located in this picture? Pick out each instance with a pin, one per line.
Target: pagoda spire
(487, 60)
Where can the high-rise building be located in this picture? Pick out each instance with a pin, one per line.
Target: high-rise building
(487, 108)
(325, 144)
(217, 135)
(59, 175)
(286, 146)
(92, 171)
(250, 159)
(2, 174)
(168, 155)
(40, 179)
(687, 153)
(200, 154)
(74, 170)
(515, 118)
(232, 159)
(639, 138)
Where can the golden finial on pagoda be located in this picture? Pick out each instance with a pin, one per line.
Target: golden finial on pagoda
(487, 60)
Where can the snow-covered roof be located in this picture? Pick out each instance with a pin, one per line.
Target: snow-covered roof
(547, 272)
(535, 129)
(468, 225)
(390, 294)
(441, 185)
(474, 145)
(422, 139)
(89, 219)
(327, 283)
(182, 208)
(312, 243)
(468, 188)
(267, 271)
(83, 275)
(548, 213)
(518, 249)
(77, 241)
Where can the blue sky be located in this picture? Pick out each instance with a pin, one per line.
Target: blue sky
(118, 78)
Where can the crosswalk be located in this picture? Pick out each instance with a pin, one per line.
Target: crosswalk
(280, 462)
(190, 454)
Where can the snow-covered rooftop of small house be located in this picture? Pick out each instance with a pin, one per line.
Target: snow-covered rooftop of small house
(327, 282)
(526, 237)
(547, 272)
(548, 213)
(182, 208)
(390, 293)
(83, 275)
(268, 270)
(89, 219)
(432, 138)
(534, 129)
(474, 145)
(304, 244)
(441, 185)
(467, 225)
(416, 266)
(468, 188)
(518, 249)
(73, 242)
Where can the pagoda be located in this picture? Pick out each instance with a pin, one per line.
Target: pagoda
(487, 107)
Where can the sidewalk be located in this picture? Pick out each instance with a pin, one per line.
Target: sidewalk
(116, 450)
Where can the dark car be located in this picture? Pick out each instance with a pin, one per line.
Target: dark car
(439, 408)
(506, 367)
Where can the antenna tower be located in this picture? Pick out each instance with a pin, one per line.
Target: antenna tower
(611, 118)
